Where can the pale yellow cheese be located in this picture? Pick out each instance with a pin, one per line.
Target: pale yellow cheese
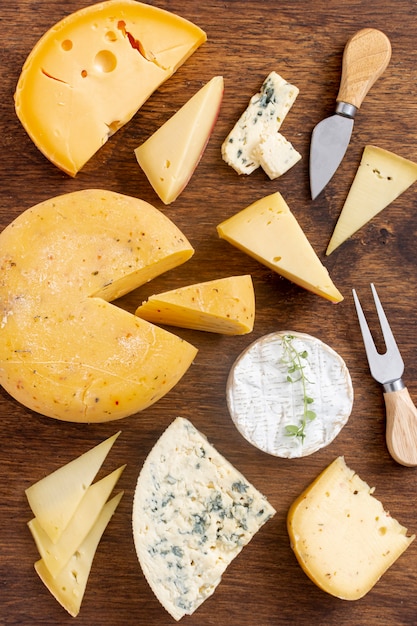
(65, 352)
(69, 586)
(382, 176)
(225, 305)
(269, 232)
(170, 156)
(91, 72)
(56, 555)
(341, 535)
(55, 498)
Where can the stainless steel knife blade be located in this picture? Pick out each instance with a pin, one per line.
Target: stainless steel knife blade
(365, 58)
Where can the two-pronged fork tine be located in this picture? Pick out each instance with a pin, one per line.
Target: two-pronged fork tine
(387, 368)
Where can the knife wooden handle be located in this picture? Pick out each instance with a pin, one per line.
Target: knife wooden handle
(366, 55)
(401, 431)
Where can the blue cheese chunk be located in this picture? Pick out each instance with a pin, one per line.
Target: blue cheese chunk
(276, 155)
(262, 118)
(192, 514)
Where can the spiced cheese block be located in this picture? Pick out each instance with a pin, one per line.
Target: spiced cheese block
(193, 512)
(66, 351)
(381, 178)
(268, 231)
(289, 394)
(91, 72)
(341, 534)
(170, 156)
(225, 306)
(254, 140)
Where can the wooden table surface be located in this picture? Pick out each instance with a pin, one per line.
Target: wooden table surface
(303, 41)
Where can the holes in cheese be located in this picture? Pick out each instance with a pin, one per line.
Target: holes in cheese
(225, 305)
(382, 176)
(341, 535)
(268, 231)
(170, 156)
(65, 351)
(91, 72)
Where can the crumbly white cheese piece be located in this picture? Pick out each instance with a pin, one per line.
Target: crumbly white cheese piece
(192, 514)
(276, 155)
(263, 403)
(263, 117)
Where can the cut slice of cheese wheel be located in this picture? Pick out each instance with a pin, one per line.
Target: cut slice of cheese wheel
(341, 535)
(193, 513)
(269, 232)
(69, 586)
(91, 72)
(170, 156)
(382, 176)
(55, 498)
(268, 399)
(65, 351)
(225, 305)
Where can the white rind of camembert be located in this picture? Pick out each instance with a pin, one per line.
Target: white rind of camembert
(263, 403)
(254, 140)
(192, 514)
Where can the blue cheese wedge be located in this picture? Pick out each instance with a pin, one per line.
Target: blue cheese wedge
(261, 119)
(192, 514)
(289, 394)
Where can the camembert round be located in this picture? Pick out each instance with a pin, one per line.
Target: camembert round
(289, 394)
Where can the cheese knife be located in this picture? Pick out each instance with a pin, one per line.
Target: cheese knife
(366, 56)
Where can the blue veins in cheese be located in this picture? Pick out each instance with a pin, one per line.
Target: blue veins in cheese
(193, 512)
(255, 141)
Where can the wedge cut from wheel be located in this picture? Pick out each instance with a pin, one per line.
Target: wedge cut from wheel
(268, 231)
(66, 351)
(91, 72)
(225, 306)
(381, 178)
(193, 513)
(170, 156)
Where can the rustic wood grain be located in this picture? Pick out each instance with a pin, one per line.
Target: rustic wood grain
(304, 42)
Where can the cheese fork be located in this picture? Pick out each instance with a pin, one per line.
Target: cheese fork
(387, 368)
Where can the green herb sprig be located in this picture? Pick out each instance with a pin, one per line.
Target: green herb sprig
(295, 362)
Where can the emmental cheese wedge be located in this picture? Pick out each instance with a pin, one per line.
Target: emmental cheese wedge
(193, 513)
(65, 351)
(91, 72)
(225, 305)
(170, 156)
(55, 498)
(268, 231)
(68, 587)
(382, 176)
(341, 535)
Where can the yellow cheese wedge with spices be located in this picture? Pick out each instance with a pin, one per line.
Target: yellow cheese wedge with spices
(91, 72)
(268, 231)
(341, 534)
(65, 351)
(170, 156)
(225, 306)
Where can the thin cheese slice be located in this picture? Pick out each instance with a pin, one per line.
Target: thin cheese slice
(55, 498)
(69, 586)
(269, 232)
(193, 512)
(90, 73)
(65, 351)
(56, 555)
(267, 398)
(381, 178)
(341, 535)
(225, 305)
(170, 156)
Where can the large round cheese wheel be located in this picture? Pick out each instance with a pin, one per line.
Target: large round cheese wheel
(65, 352)
(265, 405)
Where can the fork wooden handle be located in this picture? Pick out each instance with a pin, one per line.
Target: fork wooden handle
(401, 428)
